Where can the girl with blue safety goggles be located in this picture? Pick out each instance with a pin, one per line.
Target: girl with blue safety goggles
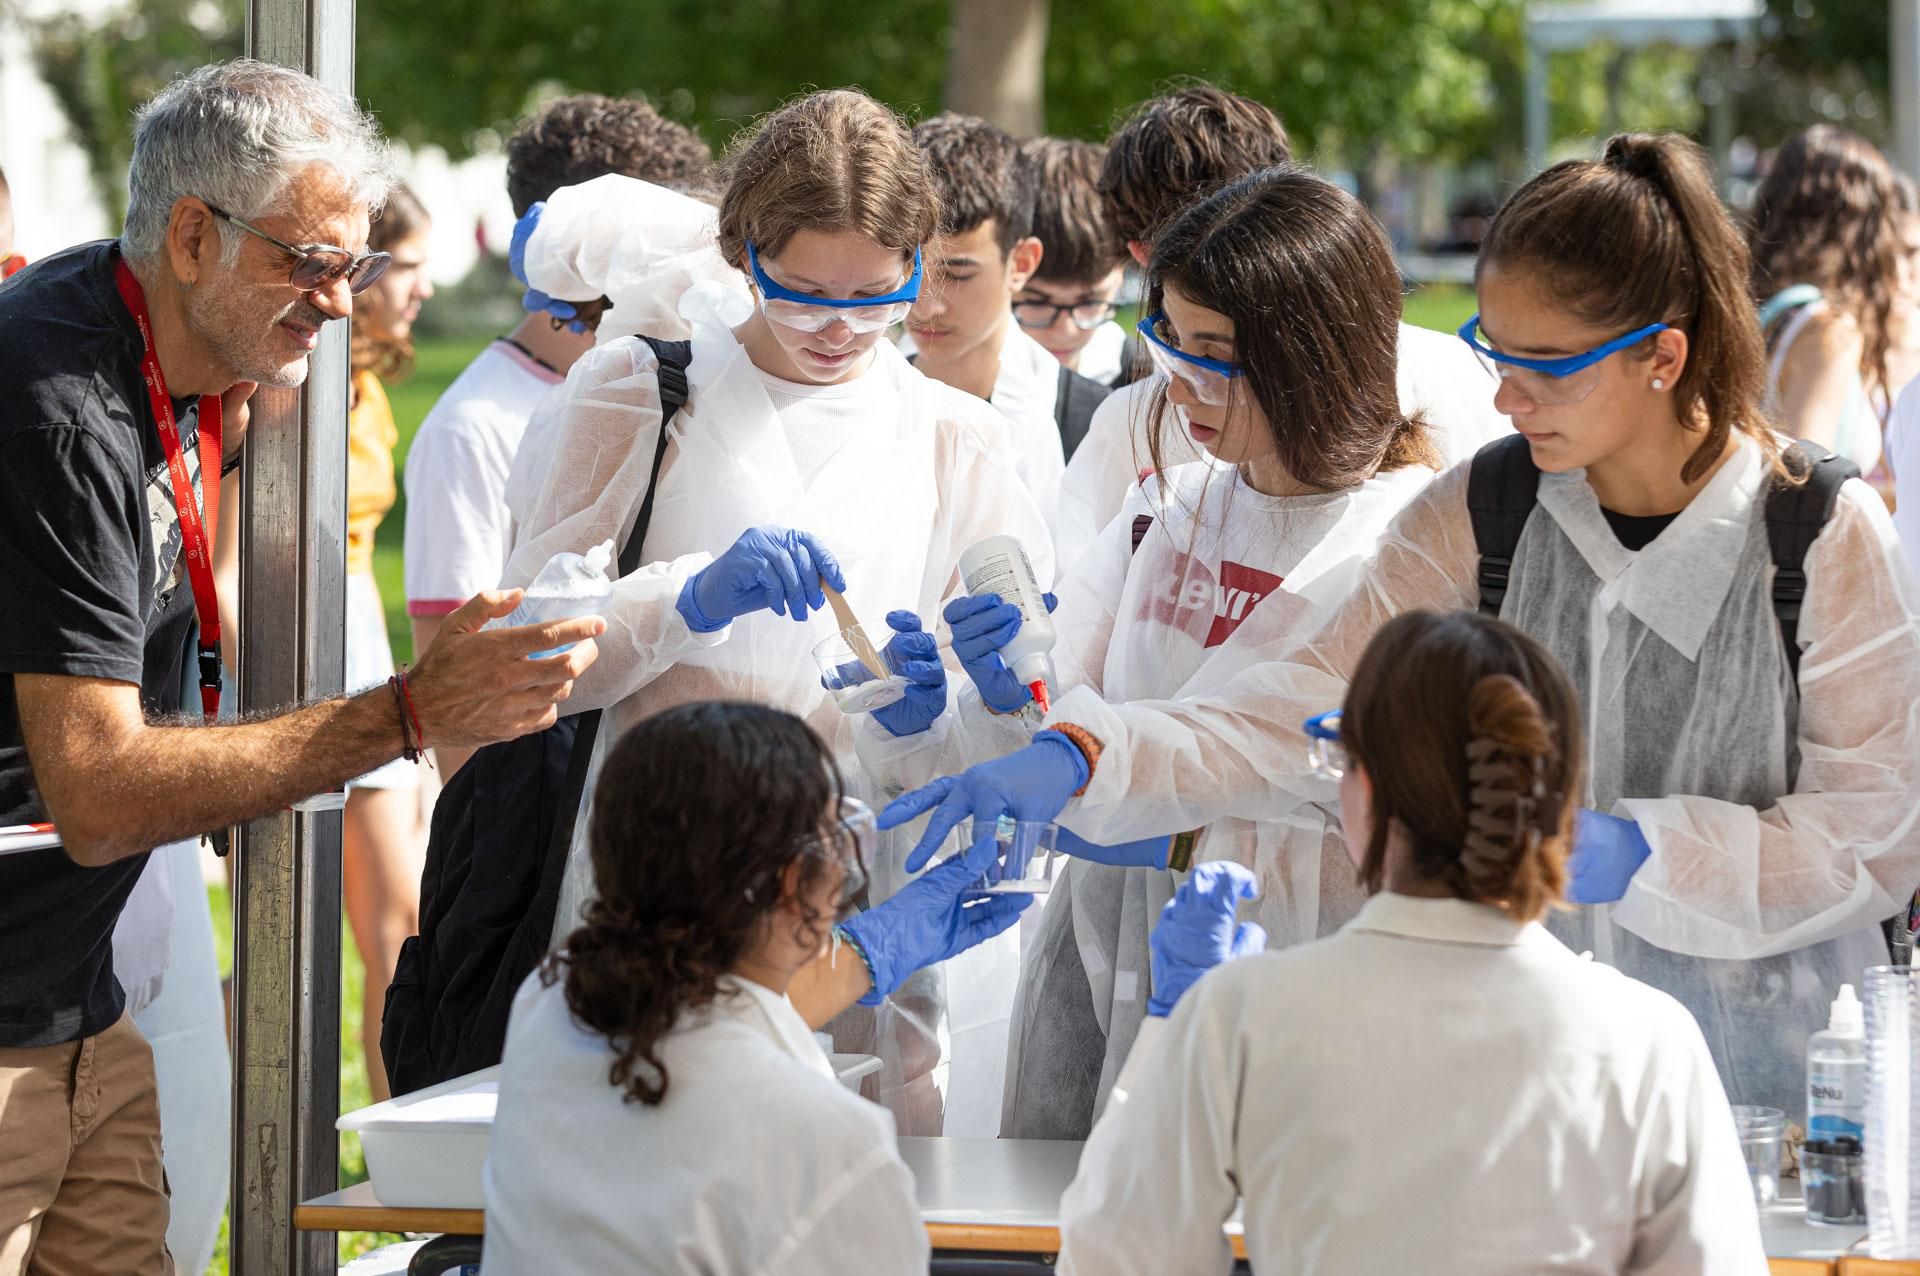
(808, 312)
(1555, 382)
(1211, 380)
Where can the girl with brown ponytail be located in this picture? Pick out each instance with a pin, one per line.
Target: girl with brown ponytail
(1380, 1098)
(1753, 812)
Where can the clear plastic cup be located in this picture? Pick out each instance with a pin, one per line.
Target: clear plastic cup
(856, 685)
(1761, 1132)
(1892, 996)
(1028, 862)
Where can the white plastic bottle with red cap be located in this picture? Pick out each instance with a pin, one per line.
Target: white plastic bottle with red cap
(999, 565)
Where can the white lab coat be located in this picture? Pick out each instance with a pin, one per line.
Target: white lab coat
(1784, 823)
(1436, 1089)
(1438, 374)
(913, 488)
(757, 1161)
(1223, 577)
(1026, 390)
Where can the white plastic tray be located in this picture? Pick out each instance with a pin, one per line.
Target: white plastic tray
(426, 1149)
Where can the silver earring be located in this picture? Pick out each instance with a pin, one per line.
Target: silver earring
(1658, 384)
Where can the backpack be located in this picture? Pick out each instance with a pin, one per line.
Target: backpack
(496, 856)
(1504, 484)
(1074, 401)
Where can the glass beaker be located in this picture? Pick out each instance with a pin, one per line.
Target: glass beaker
(1761, 1133)
(1028, 862)
(852, 668)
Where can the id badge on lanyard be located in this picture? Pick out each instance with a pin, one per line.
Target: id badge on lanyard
(196, 540)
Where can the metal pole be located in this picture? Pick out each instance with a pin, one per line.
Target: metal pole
(1538, 123)
(292, 648)
(1903, 60)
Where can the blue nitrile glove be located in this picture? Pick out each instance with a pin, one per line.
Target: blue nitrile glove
(522, 233)
(931, 919)
(1607, 852)
(913, 654)
(768, 568)
(1197, 931)
(536, 301)
(982, 624)
(1149, 852)
(1033, 783)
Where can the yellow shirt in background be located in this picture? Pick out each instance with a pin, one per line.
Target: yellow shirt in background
(371, 439)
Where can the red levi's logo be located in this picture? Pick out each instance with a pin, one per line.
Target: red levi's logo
(1241, 589)
(1190, 588)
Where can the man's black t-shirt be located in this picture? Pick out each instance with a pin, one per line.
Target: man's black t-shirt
(92, 584)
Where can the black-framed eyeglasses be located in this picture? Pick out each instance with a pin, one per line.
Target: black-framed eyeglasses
(318, 266)
(1087, 315)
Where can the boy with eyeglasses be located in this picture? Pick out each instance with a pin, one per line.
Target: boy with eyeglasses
(1069, 303)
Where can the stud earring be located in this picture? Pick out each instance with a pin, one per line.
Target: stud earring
(1658, 384)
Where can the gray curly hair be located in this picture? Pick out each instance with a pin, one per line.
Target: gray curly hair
(234, 134)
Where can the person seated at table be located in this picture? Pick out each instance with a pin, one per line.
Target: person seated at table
(1441, 1086)
(663, 1105)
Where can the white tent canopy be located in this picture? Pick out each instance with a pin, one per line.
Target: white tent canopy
(1629, 24)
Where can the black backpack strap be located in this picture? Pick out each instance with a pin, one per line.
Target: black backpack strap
(1796, 513)
(1502, 489)
(674, 357)
(1074, 401)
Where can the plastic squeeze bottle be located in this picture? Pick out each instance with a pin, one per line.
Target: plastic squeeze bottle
(569, 585)
(999, 565)
(1837, 1073)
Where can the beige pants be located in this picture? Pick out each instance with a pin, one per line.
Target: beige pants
(82, 1192)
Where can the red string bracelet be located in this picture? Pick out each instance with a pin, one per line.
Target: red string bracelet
(407, 748)
(413, 715)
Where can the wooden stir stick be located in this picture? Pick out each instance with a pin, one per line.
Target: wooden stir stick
(851, 631)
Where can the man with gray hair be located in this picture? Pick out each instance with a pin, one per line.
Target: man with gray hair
(127, 368)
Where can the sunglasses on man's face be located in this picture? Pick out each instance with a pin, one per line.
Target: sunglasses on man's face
(318, 266)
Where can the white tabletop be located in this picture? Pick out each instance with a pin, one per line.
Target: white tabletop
(1019, 1182)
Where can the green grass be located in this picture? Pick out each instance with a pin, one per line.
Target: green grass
(1442, 307)
(437, 363)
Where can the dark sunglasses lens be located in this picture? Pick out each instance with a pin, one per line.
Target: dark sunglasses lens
(316, 270)
(368, 272)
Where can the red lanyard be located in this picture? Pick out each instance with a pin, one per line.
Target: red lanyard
(193, 529)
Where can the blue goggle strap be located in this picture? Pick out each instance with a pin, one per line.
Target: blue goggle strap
(909, 291)
(1221, 366)
(1470, 333)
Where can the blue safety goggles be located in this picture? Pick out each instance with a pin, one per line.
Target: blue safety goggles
(1211, 380)
(809, 313)
(1553, 381)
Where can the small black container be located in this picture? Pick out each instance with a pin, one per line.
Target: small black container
(1832, 1178)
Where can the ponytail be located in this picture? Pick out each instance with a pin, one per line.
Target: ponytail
(1509, 755)
(1638, 237)
(1469, 732)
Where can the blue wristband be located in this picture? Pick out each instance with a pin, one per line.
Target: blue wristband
(842, 935)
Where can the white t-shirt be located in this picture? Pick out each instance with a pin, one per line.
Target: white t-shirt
(1025, 391)
(459, 533)
(757, 1161)
(1100, 357)
(1436, 1089)
(820, 419)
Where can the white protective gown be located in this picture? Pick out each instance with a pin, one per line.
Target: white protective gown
(920, 477)
(1783, 825)
(1224, 577)
(1439, 375)
(1436, 1089)
(1025, 391)
(757, 1160)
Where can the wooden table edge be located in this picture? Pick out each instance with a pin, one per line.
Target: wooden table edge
(947, 1237)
